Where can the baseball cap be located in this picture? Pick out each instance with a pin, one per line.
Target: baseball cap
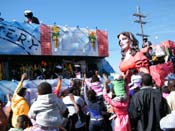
(117, 77)
(170, 76)
(135, 79)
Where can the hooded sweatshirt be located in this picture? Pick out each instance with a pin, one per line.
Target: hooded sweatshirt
(19, 105)
(47, 111)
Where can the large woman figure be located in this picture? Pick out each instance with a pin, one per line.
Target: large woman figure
(132, 58)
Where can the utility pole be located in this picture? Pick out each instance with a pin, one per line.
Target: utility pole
(141, 22)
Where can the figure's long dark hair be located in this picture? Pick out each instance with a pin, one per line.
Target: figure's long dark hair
(134, 45)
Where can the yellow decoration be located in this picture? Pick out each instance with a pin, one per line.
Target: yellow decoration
(92, 38)
(70, 68)
(55, 35)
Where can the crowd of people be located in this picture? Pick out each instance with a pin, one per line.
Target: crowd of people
(93, 105)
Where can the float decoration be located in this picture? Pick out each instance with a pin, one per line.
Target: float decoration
(45, 39)
(158, 60)
(161, 62)
(92, 38)
(55, 35)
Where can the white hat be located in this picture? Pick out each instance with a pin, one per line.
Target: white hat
(27, 11)
(135, 79)
(59, 67)
(77, 65)
(170, 76)
(117, 77)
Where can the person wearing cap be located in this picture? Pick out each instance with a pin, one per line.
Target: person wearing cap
(120, 108)
(168, 122)
(135, 84)
(19, 105)
(170, 76)
(30, 18)
(165, 89)
(57, 72)
(118, 85)
(147, 107)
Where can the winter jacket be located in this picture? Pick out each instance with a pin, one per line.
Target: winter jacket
(47, 111)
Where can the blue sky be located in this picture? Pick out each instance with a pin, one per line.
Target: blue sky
(114, 16)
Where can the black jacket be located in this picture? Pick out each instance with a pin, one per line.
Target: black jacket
(146, 108)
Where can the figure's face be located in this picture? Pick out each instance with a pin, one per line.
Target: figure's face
(55, 29)
(124, 42)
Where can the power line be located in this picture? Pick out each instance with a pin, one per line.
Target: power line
(141, 22)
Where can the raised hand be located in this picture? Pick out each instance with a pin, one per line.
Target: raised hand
(23, 76)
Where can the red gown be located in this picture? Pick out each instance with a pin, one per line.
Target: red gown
(139, 61)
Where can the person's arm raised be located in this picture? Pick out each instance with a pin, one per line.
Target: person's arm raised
(58, 87)
(20, 84)
(73, 101)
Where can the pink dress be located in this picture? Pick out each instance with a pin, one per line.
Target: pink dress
(121, 122)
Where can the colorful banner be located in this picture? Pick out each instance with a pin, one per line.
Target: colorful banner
(31, 39)
(19, 38)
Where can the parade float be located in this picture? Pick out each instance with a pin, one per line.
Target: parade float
(161, 60)
(24, 47)
(156, 59)
(28, 47)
